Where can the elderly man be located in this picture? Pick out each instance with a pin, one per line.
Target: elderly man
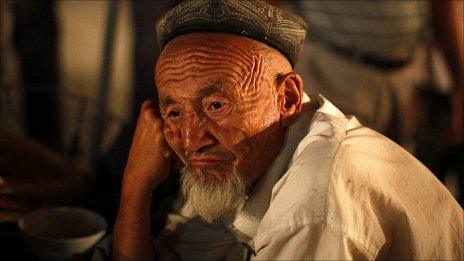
(270, 172)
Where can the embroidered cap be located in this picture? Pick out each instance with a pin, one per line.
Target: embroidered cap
(255, 19)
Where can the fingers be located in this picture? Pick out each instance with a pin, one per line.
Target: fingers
(149, 105)
(166, 153)
(150, 117)
(148, 113)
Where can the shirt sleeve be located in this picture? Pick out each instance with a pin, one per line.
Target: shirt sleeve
(310, 241)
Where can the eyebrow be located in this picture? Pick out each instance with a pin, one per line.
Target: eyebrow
(165, 101)
(208, 90)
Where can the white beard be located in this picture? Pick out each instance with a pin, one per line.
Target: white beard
(213, 200)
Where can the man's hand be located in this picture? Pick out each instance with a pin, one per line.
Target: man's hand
(147, 166)
(149, 156)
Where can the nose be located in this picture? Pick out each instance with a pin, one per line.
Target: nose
(195, 136)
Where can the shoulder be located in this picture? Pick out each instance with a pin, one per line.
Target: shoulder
(311, 190)
(358, 184)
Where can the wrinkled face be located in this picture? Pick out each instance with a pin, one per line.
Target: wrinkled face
(220, 105)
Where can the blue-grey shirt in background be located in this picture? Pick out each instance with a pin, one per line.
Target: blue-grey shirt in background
(385, 29)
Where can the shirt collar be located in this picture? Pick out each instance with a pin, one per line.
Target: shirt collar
(247, 220)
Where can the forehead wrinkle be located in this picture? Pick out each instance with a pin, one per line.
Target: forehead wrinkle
(197, 67)
(252, 59)
(199, 55)
(238, 48)
(256, 73)
(193, 65)
(221, 72)
(237, 51)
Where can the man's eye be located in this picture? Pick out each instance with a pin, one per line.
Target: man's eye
(173, 114)
(216, 105)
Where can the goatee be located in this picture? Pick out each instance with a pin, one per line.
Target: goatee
(213, 199)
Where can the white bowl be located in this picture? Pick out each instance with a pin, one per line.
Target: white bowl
(58, 233)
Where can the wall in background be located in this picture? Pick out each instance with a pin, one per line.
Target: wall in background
(81, 31)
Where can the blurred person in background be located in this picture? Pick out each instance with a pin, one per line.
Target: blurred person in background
(378, 60)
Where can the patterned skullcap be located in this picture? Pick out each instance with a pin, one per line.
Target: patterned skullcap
(255, 19)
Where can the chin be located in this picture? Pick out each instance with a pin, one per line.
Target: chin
(213, 196)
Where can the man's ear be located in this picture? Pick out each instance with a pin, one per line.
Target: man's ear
(290, 93)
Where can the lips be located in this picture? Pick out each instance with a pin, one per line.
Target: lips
(206, 162)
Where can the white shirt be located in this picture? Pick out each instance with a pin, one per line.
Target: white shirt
(337, 190)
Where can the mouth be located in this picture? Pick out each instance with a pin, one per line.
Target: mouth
(207, 162)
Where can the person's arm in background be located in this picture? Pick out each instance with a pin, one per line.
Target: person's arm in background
(147, 167)
(447, 17)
